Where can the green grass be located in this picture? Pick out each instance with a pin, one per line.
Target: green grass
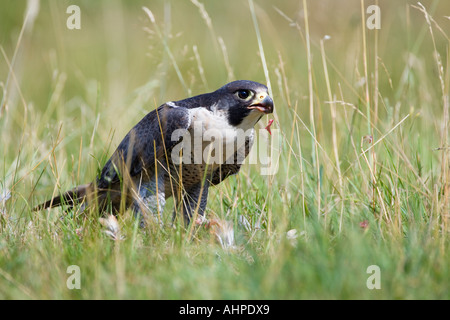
(69, 96)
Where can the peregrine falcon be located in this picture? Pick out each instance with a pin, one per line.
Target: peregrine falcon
(180, 149)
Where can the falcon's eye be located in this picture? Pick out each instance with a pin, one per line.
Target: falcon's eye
(244, 94)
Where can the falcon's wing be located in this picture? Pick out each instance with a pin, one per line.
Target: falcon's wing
(228, 169)
(149, 139)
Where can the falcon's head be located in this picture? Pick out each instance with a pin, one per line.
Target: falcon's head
(244, 102)
(240, 103)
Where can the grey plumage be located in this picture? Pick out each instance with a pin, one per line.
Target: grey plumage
(143, 172)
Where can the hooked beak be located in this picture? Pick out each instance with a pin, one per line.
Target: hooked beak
(263, 103)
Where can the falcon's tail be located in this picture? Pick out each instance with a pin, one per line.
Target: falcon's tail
(69, 198)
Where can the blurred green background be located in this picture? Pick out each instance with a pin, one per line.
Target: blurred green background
(118, 62)
(69, 96)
